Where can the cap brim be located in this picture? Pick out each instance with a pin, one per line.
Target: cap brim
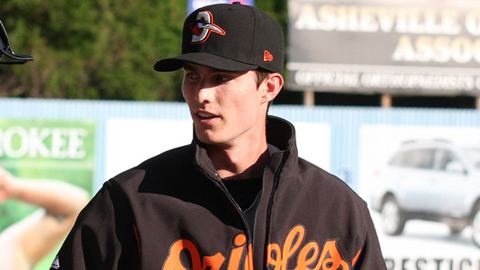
(205, 59)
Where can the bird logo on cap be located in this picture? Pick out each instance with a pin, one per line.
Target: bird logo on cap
(204, 26)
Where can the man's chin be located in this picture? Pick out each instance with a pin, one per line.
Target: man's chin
(205, 136)
(209, 140)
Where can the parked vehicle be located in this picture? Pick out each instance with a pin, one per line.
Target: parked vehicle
(432, 180)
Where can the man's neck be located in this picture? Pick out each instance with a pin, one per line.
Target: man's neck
(239, 162)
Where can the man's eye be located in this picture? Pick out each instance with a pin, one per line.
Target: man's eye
(191, 76)
(221, 78)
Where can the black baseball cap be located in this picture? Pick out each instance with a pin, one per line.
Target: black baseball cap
(231, 37)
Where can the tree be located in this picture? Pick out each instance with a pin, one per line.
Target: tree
(97, 49)
(92, 49)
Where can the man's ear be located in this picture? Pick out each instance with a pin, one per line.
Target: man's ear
(272, 84)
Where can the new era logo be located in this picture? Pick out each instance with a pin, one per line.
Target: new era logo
(267, 56)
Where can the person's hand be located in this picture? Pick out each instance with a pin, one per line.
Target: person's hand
(6, 184)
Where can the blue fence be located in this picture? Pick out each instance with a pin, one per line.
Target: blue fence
(345, 123)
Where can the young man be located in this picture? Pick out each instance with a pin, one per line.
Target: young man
(238, 197)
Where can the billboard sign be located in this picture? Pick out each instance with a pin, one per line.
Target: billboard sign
(399, 47)
(51, 164)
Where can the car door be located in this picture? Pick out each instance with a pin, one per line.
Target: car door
(414, 180)
(450, 183)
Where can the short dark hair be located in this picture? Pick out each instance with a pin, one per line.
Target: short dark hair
(261, 75)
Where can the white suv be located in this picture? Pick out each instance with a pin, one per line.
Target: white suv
(430, 180)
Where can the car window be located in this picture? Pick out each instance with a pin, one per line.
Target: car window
(445, 159)
(397, 159)
(421, 158)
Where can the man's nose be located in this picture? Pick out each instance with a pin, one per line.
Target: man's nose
(205, 93)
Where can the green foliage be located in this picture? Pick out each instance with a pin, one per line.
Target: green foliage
(97, 49)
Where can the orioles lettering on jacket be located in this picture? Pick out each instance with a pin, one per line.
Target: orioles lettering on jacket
(308, 256)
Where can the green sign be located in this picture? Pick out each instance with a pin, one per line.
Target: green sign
(53, 151)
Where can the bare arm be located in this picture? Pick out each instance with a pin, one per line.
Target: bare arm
(36, 236)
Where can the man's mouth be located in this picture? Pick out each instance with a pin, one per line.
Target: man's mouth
(205, 115)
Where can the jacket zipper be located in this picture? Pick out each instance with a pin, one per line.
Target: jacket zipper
(276, 180)
(218, 182)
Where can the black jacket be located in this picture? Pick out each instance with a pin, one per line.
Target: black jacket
(173, 212)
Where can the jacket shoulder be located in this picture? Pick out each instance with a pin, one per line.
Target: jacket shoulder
(162, 166)
(171, 157)
(328, 184)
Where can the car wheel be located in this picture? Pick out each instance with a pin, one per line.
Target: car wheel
(393, 219)
(476, 226)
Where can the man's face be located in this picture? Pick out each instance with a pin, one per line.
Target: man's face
(227, 108)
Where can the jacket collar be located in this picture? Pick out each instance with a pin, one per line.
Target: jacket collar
(281, 140)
